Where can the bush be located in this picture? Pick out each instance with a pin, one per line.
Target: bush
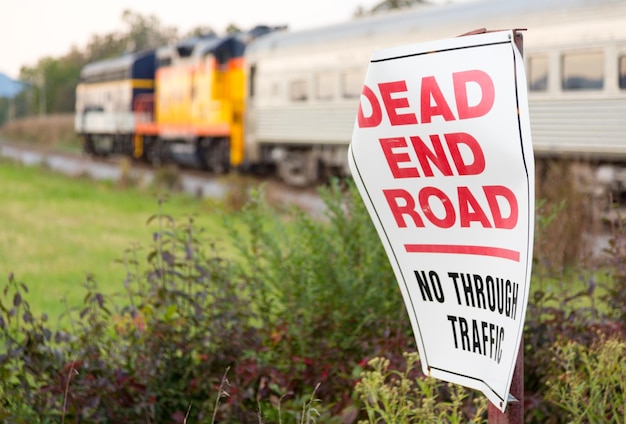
(191, 334)
(280, 331)
(566, 303)
(589, 382)
(328, 298)
(614, 295)
(156, 354)
(392, 396)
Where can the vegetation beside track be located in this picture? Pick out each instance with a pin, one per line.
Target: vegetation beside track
(286, 326)
(43, 132)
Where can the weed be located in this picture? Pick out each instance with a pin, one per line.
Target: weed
(589, 382)
(565, 242)
(55, 131)
(127, 178)
(278, 333)
(167, 179)
(394, 396)
(239, 190)
(615, 290)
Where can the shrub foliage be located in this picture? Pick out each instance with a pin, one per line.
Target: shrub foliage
(302, 323)
(194, 335)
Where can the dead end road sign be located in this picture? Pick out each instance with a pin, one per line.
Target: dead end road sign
(442, 156)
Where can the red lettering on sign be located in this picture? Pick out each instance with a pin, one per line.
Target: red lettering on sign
(460, 80)
(376, 117)
(426, 156)
(492, 192)
(399, 211)
(470, 210)
(431, 91)
(470, 207)
(424, 198)
(393, 159)
(392, 104)
(478, 165)
(432, 100)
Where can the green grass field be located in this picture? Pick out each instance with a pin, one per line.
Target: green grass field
(55, 230)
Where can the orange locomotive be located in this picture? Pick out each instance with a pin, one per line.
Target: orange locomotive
(197, 107)
(194, 114)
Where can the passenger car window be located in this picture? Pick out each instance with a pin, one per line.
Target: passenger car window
(324, 85)
(621, 72)
(351, 83)
(583, 71)
(538, 73)
(298, 90)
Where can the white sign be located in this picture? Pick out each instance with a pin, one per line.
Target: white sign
(442, 156)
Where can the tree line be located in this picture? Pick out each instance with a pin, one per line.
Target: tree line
(52, 81)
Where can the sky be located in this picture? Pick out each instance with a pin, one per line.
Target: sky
(33, 29)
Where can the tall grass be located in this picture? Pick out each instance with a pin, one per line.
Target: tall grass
(52, 131)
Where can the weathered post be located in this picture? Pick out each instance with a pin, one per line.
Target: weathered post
(515, 409)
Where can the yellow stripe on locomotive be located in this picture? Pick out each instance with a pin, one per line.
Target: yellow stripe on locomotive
(199, 101)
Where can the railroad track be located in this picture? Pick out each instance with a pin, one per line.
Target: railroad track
(192, 181)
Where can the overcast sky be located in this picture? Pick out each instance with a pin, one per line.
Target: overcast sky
(33, 29)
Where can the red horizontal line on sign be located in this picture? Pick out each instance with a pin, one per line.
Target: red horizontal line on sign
(464, 249)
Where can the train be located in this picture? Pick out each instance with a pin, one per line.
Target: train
(284, 102)
(157, 104)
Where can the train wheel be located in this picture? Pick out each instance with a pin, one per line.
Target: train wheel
(298, 168)
(88, 146)
(156, 152)
(99, 145)
(214, 155)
